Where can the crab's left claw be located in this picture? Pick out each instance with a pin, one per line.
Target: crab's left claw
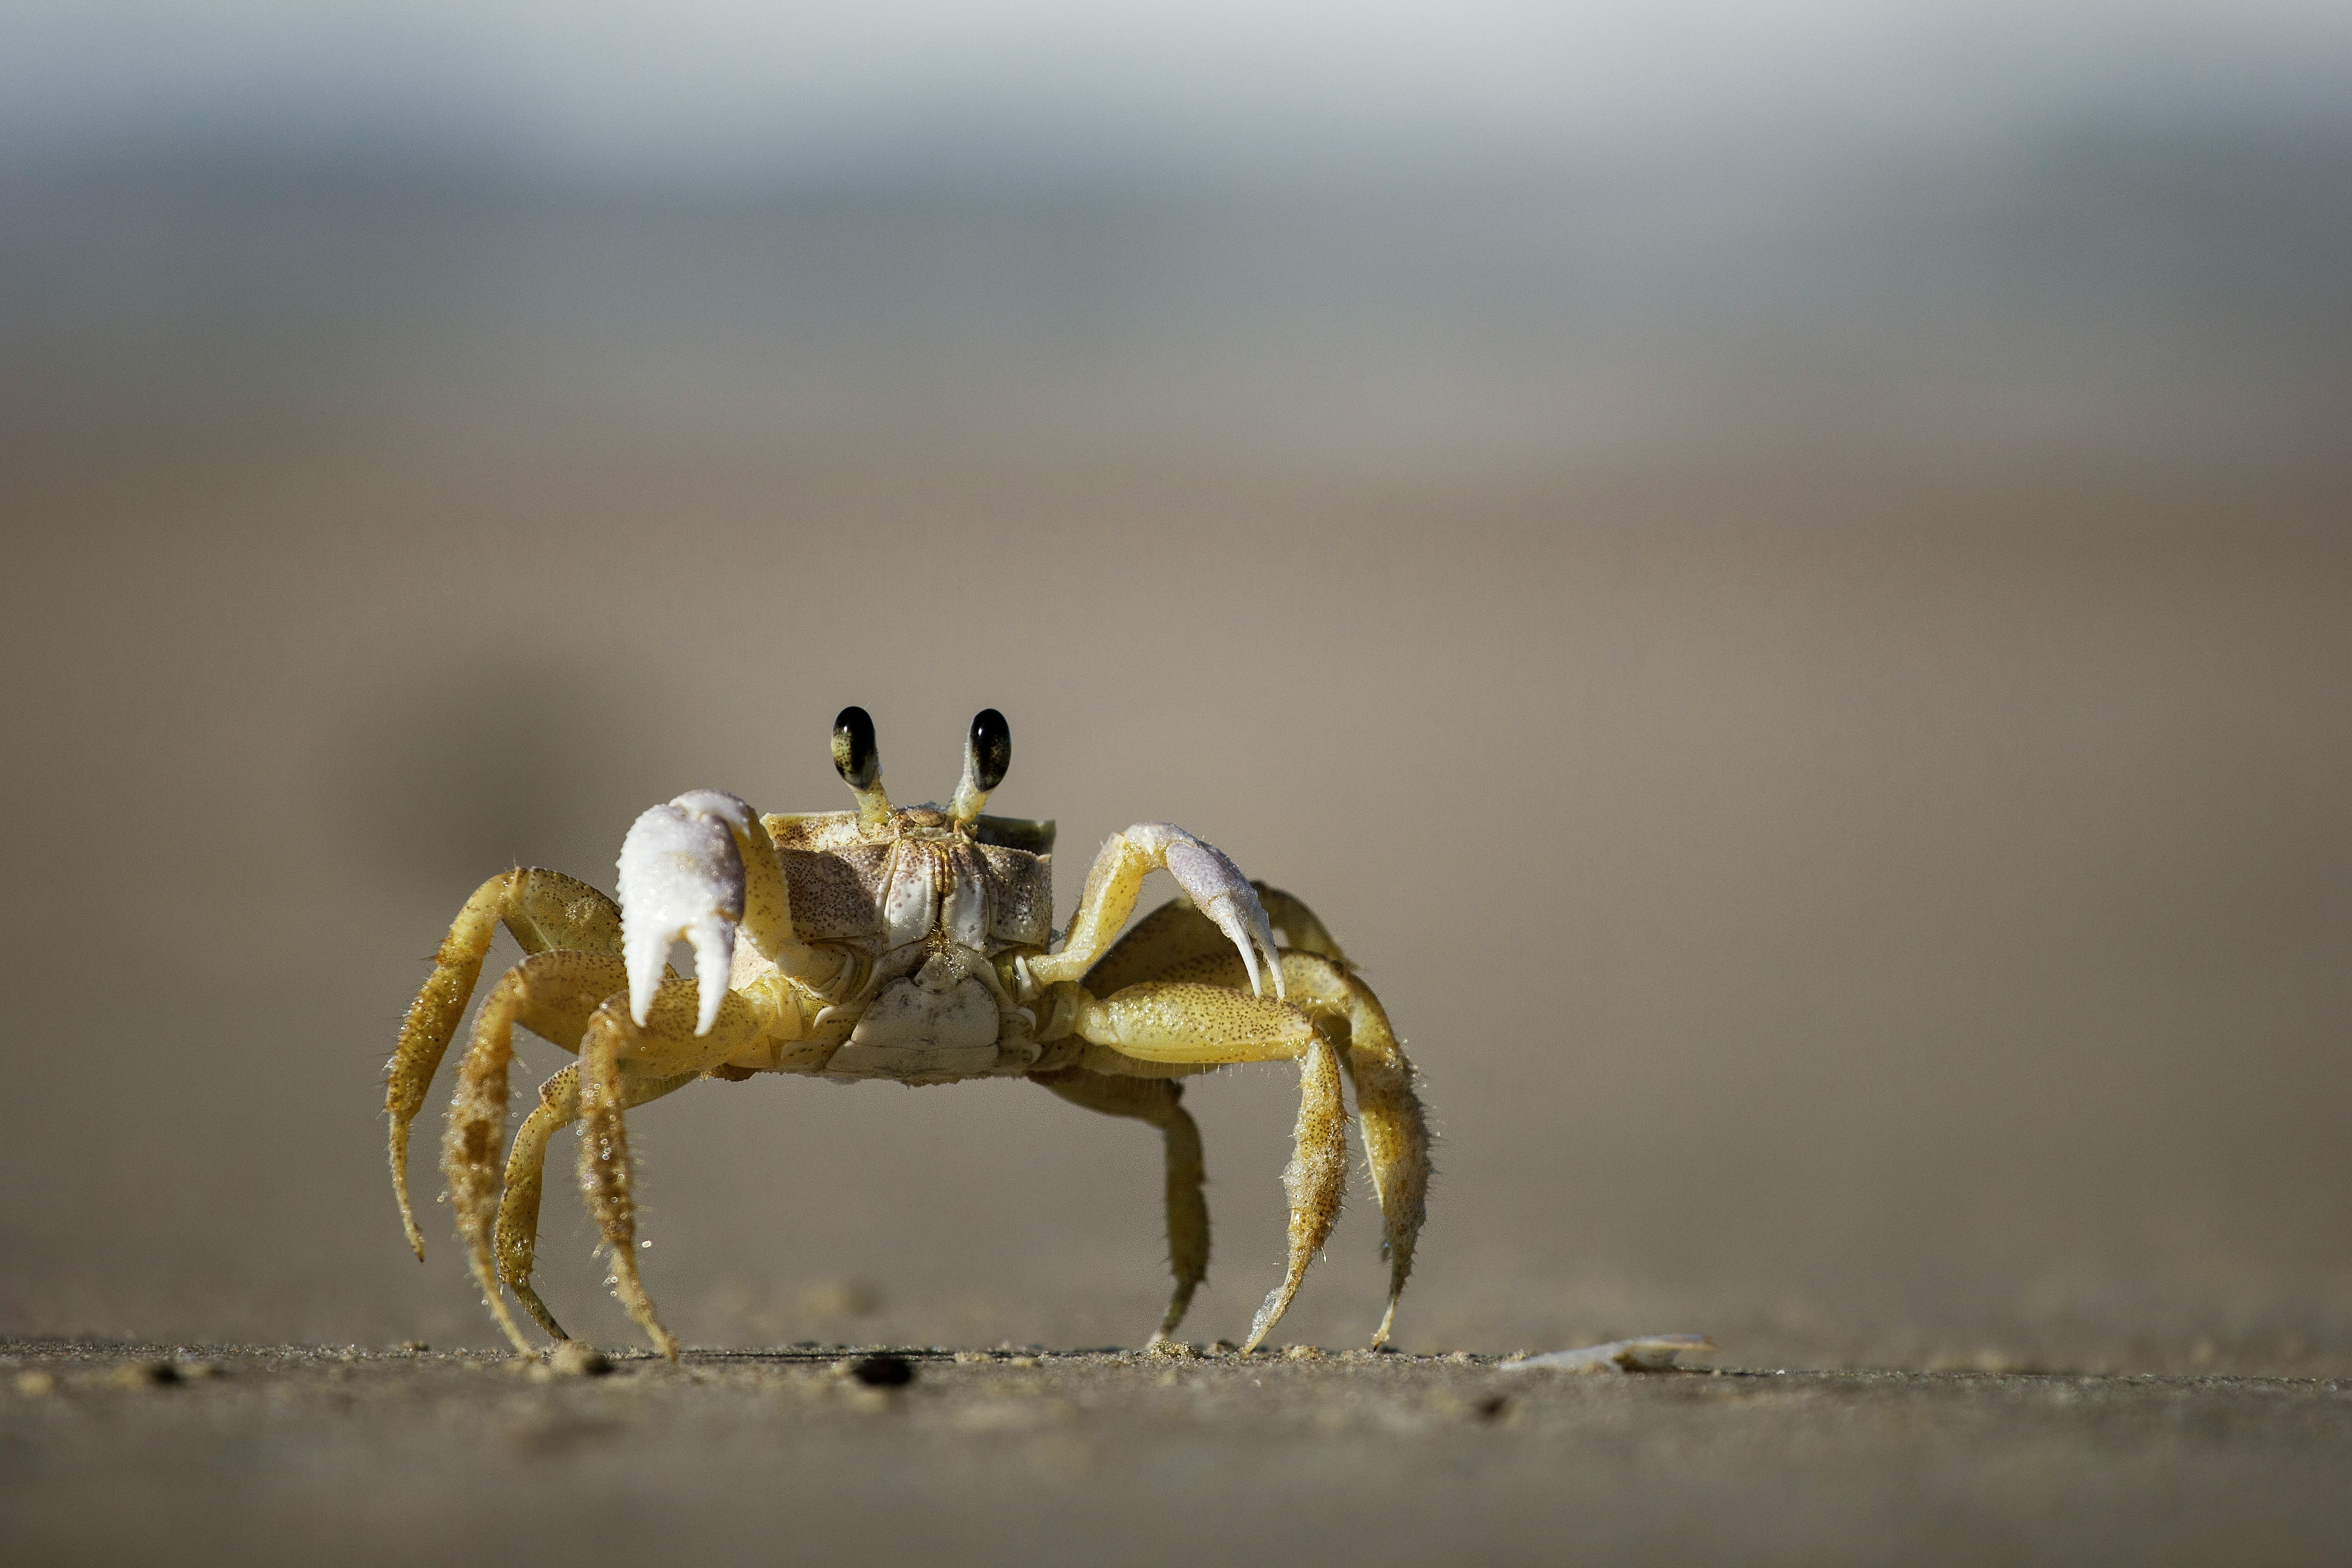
(681, 876)
(1217, 887)
(1214, 883)
(1225, 896)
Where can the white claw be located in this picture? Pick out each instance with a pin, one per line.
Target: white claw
(1217, 885)
(682, 877)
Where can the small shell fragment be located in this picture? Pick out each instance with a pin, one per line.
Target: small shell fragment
(1650, 1352)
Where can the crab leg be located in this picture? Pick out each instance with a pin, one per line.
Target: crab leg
(552, 994)
(1315, 1179)
(1389, 1113)
(1300, 927)
(1208, 879)
(542, 909)
(1159, 1023)
(614, 1052)
(1155, 1101)
(1395, 1128)
(517, 1236)
(1395, 1133)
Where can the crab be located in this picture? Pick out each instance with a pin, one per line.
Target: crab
(906, 943)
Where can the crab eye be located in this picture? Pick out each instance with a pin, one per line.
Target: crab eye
(853, 749)
(991, 749)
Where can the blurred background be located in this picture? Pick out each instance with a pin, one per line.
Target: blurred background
(1780, 572)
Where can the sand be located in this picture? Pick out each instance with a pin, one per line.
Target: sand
(241, 1454)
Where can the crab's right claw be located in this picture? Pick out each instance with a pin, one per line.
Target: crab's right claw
(1217, 887)
(681, 876)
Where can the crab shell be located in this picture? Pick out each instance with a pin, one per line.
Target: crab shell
(932, 916)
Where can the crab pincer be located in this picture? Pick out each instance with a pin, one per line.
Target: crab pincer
(1209, 877)
(698, 868)
(1217, 887)
(681, 876)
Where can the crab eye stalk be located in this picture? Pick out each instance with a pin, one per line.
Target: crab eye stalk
(854, 751)
(989, 749)
(859, 761)
(987, 754)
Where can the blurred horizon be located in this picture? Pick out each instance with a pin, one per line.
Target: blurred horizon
(1410, 236)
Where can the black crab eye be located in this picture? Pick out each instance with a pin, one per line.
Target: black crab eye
(853, 749)
(991, 749)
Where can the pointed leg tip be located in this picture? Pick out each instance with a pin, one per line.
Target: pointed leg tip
(1172, 1319)
(538, 1311)
(1270, 1314)
(488, 1280)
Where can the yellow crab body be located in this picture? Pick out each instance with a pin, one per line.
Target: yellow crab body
(912, 944)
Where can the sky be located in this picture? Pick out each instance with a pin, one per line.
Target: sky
(722, 91)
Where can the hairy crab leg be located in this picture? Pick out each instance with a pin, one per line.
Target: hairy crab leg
(1396, 1146)
(1155, 1102)
(553, 995)
(613, 1052)
(1159, 1023)
(1315, 1179)
(518, 1233)
(541, 909)
(1389, 1111)
(1389, 1115)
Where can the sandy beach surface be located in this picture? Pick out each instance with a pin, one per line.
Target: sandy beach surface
(243, 1454)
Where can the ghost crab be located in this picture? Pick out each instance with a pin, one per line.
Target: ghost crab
(910, 943)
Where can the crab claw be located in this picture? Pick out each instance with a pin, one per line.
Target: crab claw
(1217, 887)
(681, 876)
